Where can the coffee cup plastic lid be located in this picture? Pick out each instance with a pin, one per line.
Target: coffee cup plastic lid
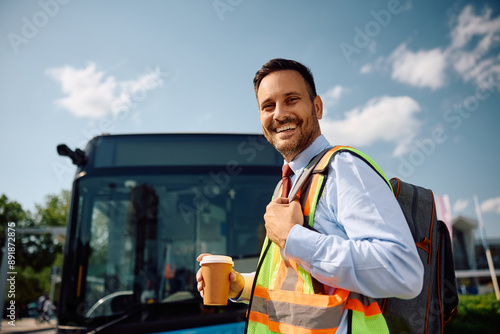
(217, 259)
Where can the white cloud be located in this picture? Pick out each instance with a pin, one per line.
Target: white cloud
(492, 204)
(460, 205)
(365, 69)
(379, 65)
(471, 54)
(473, 37)
(91, 94)
(88, 95)
(420, 69)
(468, 25)
(386, 118)
(333, 95)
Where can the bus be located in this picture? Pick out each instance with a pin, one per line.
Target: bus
(143, 207)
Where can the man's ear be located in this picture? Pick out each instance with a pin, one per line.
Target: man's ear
(318, 107)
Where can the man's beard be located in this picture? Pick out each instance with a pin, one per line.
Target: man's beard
(301, 141)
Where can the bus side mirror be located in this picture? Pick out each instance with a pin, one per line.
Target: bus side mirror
(77, 156)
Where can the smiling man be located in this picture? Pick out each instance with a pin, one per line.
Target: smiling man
(322, 278)
(289, 111)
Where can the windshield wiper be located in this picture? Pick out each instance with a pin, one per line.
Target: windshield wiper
(181, 296)
(127, 315)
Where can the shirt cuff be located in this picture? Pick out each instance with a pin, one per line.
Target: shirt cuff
(247, 289)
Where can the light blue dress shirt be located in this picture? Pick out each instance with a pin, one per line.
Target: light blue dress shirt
(364, 244)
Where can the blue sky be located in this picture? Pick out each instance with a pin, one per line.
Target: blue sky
(414, 84)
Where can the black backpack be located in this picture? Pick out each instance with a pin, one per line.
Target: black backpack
(437, 302)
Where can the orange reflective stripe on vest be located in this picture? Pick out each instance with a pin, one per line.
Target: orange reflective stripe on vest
(363, 304)
(282, 311)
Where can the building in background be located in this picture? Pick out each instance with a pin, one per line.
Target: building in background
(471, 266)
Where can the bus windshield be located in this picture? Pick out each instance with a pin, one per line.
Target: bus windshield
(145, 231)
(143, 207)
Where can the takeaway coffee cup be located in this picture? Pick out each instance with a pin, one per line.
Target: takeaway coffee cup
(216, 270)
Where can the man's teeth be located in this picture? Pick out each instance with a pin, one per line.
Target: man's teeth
(286, 127)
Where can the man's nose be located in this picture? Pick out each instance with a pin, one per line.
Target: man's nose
(280, 112)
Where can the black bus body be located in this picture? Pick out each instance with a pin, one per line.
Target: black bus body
(142, 208)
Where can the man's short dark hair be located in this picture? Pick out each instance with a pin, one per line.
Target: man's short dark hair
(280, 64)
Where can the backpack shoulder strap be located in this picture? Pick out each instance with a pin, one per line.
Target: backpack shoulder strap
(319, 165)
(310, 168)
(277, 189)
(369, 161)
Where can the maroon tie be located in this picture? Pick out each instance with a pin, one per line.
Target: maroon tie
(287, 171)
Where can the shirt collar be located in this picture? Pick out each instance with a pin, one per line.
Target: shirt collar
(302, 159)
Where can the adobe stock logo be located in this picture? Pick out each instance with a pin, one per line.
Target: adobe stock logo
(363, 38)
(223, 6)
(30, 28)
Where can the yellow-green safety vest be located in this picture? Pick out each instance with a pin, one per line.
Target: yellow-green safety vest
(286, 299)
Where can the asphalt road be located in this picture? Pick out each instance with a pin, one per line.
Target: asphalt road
(28, 325)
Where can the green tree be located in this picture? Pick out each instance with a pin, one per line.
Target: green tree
(36, 253)
(10, 212)
(55, 210)
(41, 250)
